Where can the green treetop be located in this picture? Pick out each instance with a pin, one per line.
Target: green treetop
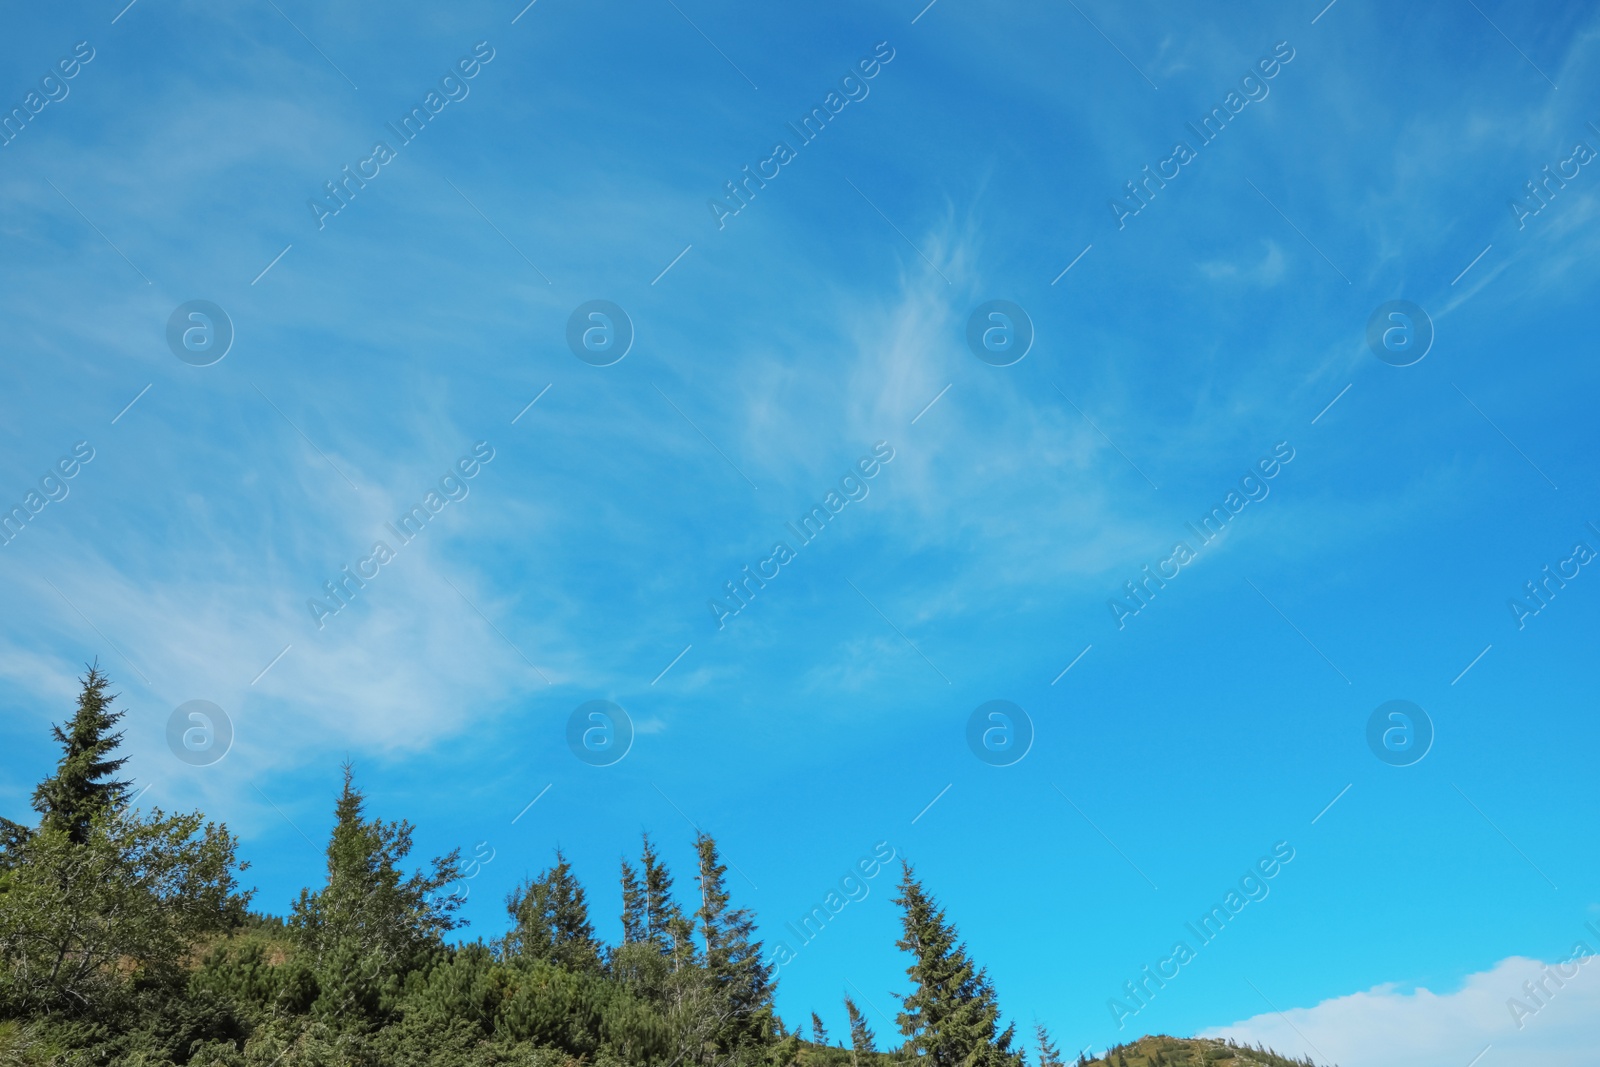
(552, 916)
(370, 925)
(951, 1016)
(99, 901)
(741, 981)
(1049, 1054)
(635, 919)
(82, 786)
(861, 1036)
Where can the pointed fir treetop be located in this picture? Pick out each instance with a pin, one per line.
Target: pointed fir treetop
(861, 1035)
(951, 1016)
(713, 895)
(371, 924)
(665, 924)
(741, 980)
(635, 916)
(552, 916)
(82, 787)
(1049, 1054)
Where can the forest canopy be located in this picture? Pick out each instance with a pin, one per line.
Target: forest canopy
(126, 937)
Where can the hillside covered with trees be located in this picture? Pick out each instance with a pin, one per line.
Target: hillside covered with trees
(126, 938)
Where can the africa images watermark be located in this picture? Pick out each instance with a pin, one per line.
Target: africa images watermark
(1539, 994)
(853, 487)
(1536, 195)
(853, 86)
(1253, 85)
(53, 487)
(1252, 887)
(1253, 487)
(1537, 596)
(452, 487)
(53, 89)
(854, 885)
(454, 88)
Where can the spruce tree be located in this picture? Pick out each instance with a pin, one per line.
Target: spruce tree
(665, 923)
(635, 919)
(951, 1018)
(819, 1033)
(14, 838)
(1049, 1054)
(552, 916)
(741, 981)
(82, 787)
(99, 903)
(370, 926)
(861, 1036)
(657, 959)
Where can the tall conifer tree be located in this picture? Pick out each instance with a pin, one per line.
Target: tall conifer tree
(1049, 1054)
(82, 786)
(951, 1017)
(861, 1036)
(370, 925)
(741, 980)
(635, 917)
(664, 921)
(97, 901)
(552, 915)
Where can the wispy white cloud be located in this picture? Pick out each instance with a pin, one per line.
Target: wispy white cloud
(1268, 271)
(1390, 1026)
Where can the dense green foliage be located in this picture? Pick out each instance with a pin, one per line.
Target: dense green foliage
(125, 939)
(951, 1017)
(81, 790)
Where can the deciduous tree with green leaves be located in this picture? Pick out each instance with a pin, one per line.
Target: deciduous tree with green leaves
(81, 920)
(96, 897)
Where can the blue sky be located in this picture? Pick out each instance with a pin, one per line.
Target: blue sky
(1225, 319)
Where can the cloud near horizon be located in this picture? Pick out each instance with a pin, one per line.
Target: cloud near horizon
(1493, 1014)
